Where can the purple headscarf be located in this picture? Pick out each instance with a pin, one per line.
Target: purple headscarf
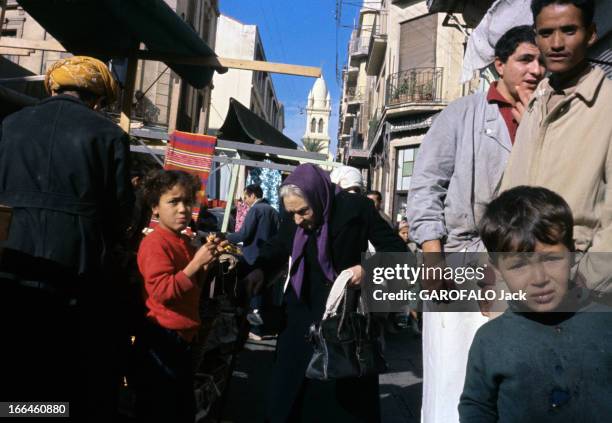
(319, 191)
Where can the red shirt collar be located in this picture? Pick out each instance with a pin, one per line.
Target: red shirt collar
(168, 234)
(493, 95)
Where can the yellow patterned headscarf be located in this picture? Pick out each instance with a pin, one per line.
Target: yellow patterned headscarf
(81, 72)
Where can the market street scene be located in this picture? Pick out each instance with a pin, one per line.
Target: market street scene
(306, 211)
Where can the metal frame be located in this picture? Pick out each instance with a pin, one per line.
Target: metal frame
(272, 153)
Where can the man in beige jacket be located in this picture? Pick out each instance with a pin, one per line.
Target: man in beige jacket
(564, 141)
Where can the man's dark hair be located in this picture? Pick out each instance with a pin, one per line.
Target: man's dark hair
(254, 189)
(376, 193)
(587, 7)
(157, 182)
(519, 217)
(509, 42)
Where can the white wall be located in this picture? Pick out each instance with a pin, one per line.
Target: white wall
(237, 41)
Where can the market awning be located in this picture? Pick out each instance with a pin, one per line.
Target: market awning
(243, 125)
(20, 79)
(12, 101)
(472, 11)
(116, 28)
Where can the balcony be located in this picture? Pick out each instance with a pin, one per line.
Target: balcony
(355, 96)
(378, 45)
(356, 141)
(344, 139)
(351, 73)
(356, 153)
(417, 87)
(348, 119)
(372, 128)
(358, 50)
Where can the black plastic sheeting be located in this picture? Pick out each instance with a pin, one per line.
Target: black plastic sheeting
(115, 28)
(243, 125)
(12, 101)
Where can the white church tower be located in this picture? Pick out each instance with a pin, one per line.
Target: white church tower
(318, 112)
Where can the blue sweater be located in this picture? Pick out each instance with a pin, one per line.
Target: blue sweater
(541, 367)
(260, 224)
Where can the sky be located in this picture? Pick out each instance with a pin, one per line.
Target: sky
(300, 32)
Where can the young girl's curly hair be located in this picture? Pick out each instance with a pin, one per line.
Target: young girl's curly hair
(157, 182)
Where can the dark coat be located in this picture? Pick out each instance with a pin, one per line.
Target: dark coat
(541, 367)
(64, 170)
(354, 221)
(260, 225)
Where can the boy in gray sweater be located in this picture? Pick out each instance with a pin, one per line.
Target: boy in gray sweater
(549, 356)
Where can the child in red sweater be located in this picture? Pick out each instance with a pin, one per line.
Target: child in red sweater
(173, 272)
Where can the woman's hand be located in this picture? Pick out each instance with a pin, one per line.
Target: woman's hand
(358, 272)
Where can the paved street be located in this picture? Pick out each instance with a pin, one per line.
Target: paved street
(400, 388)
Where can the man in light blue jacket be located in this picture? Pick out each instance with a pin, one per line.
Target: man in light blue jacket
(459, 166)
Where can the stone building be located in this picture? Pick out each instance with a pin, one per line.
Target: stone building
(161, 98)
(403, 67)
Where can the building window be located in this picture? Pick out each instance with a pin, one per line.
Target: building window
(405, 167)
(313, 125)
(403, 174)
(321, 126)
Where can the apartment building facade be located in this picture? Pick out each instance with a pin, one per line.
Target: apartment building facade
(161, 98)
(404, 65)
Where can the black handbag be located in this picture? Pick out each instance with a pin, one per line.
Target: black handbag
(346, 344)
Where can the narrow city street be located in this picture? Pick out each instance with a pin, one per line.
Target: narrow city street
(400, 388)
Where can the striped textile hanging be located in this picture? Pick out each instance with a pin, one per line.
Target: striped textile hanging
(190, 153)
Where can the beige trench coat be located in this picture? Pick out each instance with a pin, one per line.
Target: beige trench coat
(569, 151)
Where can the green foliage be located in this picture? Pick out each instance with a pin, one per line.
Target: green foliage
(313, 145)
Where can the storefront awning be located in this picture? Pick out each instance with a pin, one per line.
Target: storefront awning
(116, 28)
(243, 125)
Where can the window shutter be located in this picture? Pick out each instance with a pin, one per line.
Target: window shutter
(418, 43)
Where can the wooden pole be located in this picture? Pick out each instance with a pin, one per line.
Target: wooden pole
(220, 64)
(15, 51)
(230, 196)
(49, 45)
(128, 94)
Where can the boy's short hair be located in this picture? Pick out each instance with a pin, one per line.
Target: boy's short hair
(509, 42)
(587, 7)
(157, 182)
(519, 217)
(254, 189)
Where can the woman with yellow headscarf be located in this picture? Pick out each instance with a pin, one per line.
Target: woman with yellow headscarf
(81, 73)
(64, 171)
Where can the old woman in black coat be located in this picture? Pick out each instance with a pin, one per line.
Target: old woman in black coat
(327, 234)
